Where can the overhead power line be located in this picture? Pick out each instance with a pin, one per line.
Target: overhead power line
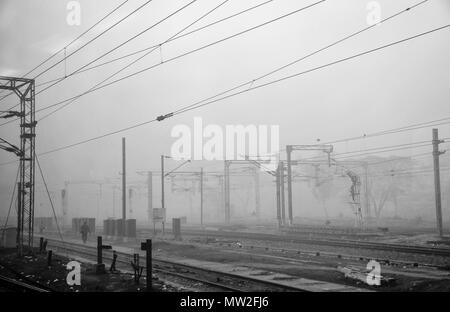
(99, 35)
(139, 58)
(159, 44)
(380, 149)
(386, 147)
(326, 47)
(84, 45)
(110, 51)
(118, 46)
(76, 39)
(180, 56)
(252, 88)
(247, 82)
(260, 86)
(384, 151)
(396, 159)
(73, 41)
(183, 110)
(141, 124)
(408, 173)
(89, 42)
(416, 126)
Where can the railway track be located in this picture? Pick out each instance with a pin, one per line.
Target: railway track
(432, 251)
(19, 286)
(296, 252)
(216, 279)
(20, 282)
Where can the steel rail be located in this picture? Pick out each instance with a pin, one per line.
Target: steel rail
(16, 285)
(91, 251)
(434, 251)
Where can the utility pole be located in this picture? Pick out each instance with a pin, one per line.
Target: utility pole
(221, 196)
(130, 202)
(124, 188)
(201, 196)
(163, 176)
(328, 149)
(150, 196)
(283, 194)
(289, 167)
(114, 201)
(65, 203)
(257, 193)
(227, 190)
(278, 198)
(162, 181)
(162, 191)
(366, 191)
(99, 199)
(437, 180)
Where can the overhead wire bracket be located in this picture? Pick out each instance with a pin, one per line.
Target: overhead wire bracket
(162, 117)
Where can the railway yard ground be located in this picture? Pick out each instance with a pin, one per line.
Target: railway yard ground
(214, 259)
(34, 270)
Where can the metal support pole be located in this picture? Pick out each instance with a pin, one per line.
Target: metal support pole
(437, 180)
(99, 200)
(65, 204)
(99, 250)
(136, 267)
(150, 196)
(162, 191)
(289, 166)
(278, 198)
(130, 201)
(114, 201)
(257, 193)
(282, 193)
(227, 191)
(162, 181)
(124, 188)
(49, 258)
(366, 191)
(221, 196)
(148, 258)
(201, 196)
(19, 239)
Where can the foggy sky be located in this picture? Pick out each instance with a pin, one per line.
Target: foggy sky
(405, 84)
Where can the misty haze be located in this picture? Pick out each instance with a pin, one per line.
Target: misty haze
(224, 146)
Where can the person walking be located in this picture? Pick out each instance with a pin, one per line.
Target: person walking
(84, 231)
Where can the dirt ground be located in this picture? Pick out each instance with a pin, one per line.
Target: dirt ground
(34, 268)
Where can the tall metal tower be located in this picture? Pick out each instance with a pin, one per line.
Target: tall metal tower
(355, 196)
(24, 89)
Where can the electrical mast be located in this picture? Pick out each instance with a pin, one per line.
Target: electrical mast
(24, 89)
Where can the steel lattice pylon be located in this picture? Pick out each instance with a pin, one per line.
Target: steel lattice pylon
(355, 195)
(24, 89)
